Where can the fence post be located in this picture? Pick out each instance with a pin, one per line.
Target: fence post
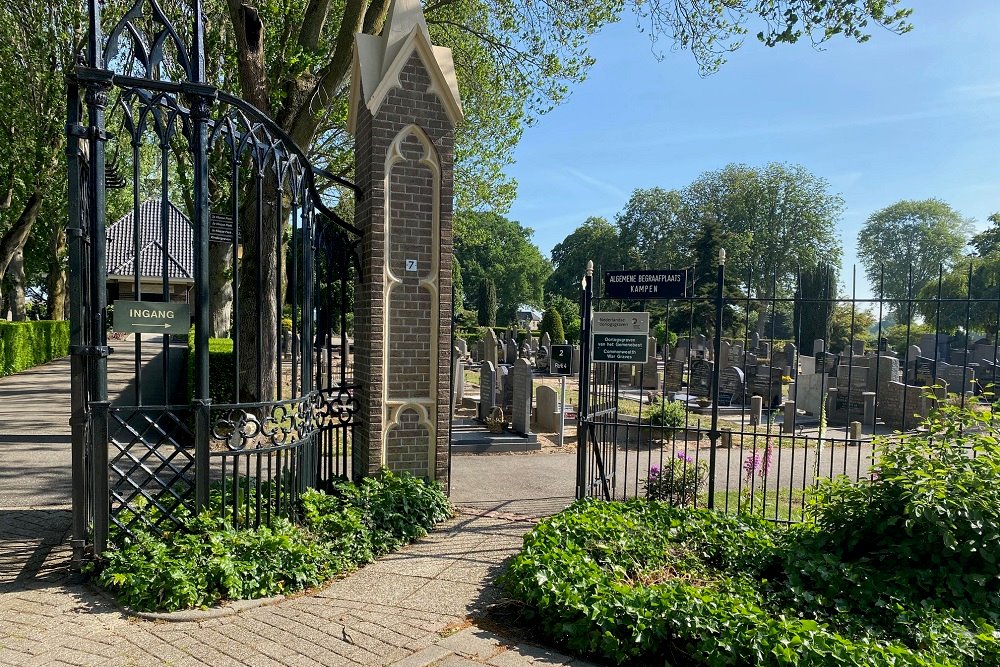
(102, 499)
(713, 433)
(202, 426)
(587, 285)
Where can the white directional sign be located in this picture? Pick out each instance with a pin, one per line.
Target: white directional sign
(620, 338)
(152, 317)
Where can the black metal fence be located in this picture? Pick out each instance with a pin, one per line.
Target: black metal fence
(798, 383)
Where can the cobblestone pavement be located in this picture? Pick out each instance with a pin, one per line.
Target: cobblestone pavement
(412, 609)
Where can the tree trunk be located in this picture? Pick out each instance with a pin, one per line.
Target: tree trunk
(14, 238)
(15, 272)
(56, 280)
(220, 288)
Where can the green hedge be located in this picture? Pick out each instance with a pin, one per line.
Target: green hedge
(27, 344)
(221, 376)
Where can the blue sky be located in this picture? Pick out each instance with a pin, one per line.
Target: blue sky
(899, 117)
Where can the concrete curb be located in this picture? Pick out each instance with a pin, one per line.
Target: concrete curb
(187, 615)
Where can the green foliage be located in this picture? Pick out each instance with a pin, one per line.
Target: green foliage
(492, 247)
(900, 336)
(664, 336)
(206, 560)
(27, 344)
(849, 323)
(899, 570)
(595, 240)
(678, 481)
(552, 323)
(488, 303)
(221, 369)
(904, 246)
(813, 316)
(667, 413)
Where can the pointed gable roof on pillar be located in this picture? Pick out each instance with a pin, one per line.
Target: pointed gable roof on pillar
(378, 62)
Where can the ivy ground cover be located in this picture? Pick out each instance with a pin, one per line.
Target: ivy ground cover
(207, 560)
(901, 570)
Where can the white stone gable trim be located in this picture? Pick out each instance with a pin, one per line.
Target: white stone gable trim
(369, 59)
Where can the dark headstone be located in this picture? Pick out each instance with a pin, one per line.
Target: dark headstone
(924, 371)
(673, 375)
(700, 380)
(732, 386)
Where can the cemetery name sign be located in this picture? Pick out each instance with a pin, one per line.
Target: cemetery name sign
(620, 338)
(657, 284)
(152, 317)
(560, 362)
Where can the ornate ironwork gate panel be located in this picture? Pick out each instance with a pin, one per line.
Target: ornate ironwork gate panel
(215, 211)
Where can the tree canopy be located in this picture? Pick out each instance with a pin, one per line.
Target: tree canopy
(491, 247)
(906, 245)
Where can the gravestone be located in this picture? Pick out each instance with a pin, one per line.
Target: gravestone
(673, 375)
(790, 359)
(510, 351)
(681, 351)
(546, 341)
(732, 386)
(755, 341)
(858, 348)
(984, 352)
(463, 347)
(883, 344)
(533, 343)
(725, 349)
(700, 380)
(934, 345)
(810, 390)
(826, 363)
(819, 346)
(487, 389)
(521, 393)
(458, 379)
(542, 358)
(576, 360)
(547, 409)
(489, 347)
(924, 371)
(650, 369)
(764, 350)
(765, 381)
(701, 346)
(506, 391)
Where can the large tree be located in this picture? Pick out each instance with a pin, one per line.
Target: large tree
(491, 247)
(908, 244)
(597, 240)
(654, 228)
(778, 218)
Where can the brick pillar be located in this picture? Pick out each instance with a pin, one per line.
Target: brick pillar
(404, 107)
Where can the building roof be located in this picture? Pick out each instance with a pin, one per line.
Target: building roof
(180, 244)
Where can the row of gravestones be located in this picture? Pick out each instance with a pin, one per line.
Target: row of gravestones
(507, 351)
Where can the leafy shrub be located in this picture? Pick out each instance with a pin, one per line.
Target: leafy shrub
(678, 481)
(24, 345)
(671, 414)
(206, 560)
(653, 584)
(900, 570)
(553, 324)
(221, 371)
(926, 530)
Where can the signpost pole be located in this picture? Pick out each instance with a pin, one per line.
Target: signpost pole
(562, 409)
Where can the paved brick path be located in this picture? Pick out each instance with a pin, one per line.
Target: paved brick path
(411, 608)
(415, 608)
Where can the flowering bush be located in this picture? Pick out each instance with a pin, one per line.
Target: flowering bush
(678, 481)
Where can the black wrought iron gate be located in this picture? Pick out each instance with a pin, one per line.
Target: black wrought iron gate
(181, 194)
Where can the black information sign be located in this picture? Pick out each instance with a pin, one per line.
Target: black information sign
(561, 361)
(220, 228)
(658, 284)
